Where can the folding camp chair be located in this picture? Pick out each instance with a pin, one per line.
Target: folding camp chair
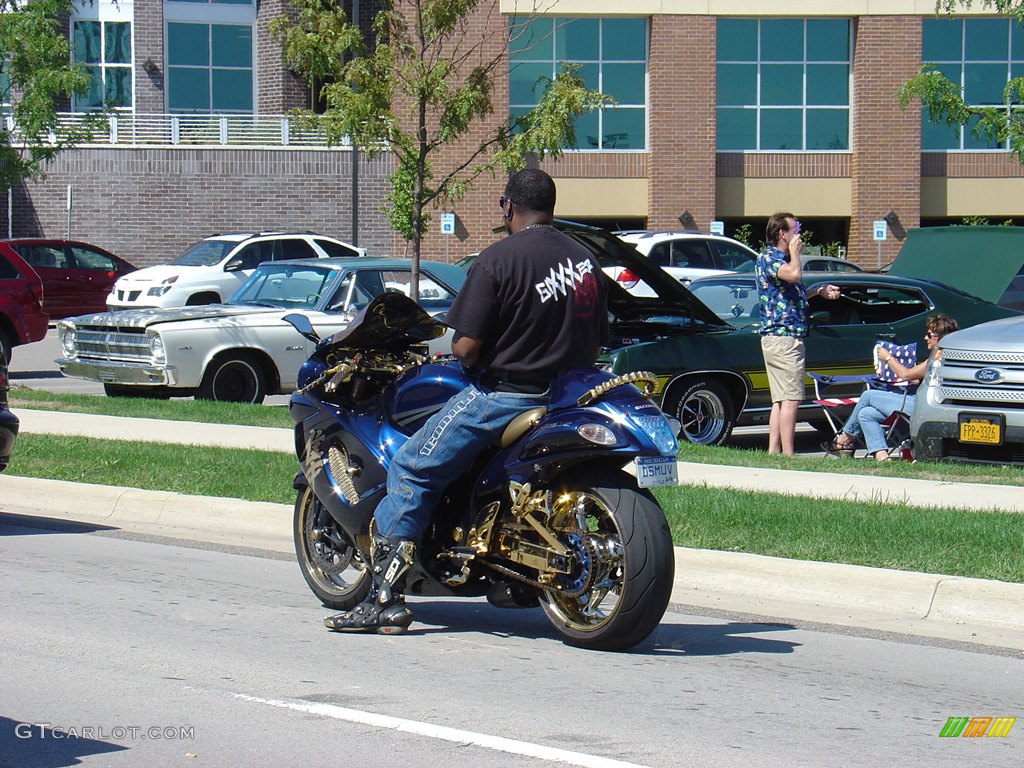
(837, 409)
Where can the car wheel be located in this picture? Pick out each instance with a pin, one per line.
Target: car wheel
(705, 410)
(233, 379)
(6, 350)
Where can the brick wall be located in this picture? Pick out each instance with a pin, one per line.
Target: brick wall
(278, 89)
(886, 161)
(149, 47)
(149, 205)
(681, 166)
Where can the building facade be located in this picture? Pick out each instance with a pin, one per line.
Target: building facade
(726, 111)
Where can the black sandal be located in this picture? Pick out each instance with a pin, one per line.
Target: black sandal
(841, 450)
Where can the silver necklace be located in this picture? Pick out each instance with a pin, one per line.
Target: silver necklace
(533, 226)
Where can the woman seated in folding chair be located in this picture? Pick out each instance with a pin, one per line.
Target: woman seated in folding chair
(876, 405)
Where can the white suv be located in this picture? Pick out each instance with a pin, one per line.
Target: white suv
(684, 255)
(968, 408)
(210, 271)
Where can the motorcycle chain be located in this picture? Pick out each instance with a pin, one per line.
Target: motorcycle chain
(587, 584)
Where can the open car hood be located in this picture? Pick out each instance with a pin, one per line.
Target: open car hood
(980, 261)
(673, 302)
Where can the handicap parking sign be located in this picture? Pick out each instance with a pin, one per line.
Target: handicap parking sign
(447, 223)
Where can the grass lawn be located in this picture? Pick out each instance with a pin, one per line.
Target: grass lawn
(978, 544)
(233, 473)
(181, 409)
(998, 474)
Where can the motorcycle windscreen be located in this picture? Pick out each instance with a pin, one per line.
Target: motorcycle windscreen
(390, 320)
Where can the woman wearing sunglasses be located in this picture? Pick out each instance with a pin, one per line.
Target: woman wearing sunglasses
(876, 405)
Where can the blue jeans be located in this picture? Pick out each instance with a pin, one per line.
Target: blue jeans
(874, 407)
(440, 452)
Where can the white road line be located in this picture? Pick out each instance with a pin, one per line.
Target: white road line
(442, 732)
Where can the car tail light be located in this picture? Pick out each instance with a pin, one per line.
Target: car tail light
(627, 278)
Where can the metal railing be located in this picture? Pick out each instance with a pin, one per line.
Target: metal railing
(127, 129)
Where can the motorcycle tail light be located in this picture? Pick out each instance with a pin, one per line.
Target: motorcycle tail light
(661, 431)
(598, 434)
(627, 278)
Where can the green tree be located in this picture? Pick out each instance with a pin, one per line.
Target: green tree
(426, 84)
(944, 103)
(36, 76)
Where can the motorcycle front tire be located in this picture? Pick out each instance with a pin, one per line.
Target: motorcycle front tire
(329, 562)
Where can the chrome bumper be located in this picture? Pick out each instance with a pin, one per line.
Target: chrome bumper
(110, 372)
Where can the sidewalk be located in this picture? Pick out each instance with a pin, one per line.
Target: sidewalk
(931, 605)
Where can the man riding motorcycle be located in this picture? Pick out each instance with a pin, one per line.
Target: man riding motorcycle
(533, 305)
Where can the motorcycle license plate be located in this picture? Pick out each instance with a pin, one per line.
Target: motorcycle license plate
(656, 470)
(981, 428)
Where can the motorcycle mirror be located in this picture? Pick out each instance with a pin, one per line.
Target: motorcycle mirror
(301, 324)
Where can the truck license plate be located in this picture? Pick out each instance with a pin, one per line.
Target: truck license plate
(656, 470)
(981, 428)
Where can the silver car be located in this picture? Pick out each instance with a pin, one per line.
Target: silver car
(970, 406)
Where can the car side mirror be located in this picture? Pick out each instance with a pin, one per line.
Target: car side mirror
(235, 265)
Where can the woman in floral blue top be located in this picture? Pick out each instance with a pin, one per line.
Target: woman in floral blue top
(783, 303)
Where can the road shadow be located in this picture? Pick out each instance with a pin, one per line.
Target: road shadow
(30, 745)
(441, 616)
(17, 375)
(12, 524)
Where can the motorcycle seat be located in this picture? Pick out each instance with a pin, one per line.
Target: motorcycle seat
(520, 424)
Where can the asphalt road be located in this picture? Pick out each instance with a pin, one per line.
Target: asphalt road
(181, 656)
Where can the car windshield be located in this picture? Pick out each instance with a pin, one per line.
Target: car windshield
(206, 253)
(289, 286)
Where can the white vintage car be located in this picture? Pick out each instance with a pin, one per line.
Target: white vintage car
(242, 350)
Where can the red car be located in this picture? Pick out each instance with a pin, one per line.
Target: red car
(22, 319)
(76, 276)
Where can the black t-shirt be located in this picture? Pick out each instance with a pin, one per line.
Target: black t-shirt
(537, 302)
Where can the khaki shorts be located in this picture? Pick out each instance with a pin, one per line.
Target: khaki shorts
(785, 361)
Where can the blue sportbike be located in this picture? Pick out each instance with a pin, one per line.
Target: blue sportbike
(558, 514)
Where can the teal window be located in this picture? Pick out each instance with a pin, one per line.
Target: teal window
(209, 68)
(105, 49)
(783, 84)
(981, 55)
(612, 58)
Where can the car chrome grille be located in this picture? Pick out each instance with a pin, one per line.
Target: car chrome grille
(113, 345)
(128, 295)
(958, 385)
(983, 359)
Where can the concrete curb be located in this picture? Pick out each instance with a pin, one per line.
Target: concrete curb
(966, 610)
(260, 525)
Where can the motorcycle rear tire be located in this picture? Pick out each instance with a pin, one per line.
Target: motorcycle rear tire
(333, 591)
(648, 567)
